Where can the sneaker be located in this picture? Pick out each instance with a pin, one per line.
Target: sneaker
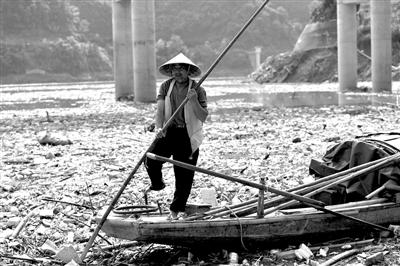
(157, 188)
(172, 216)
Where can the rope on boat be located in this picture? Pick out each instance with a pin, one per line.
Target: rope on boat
(241, 227)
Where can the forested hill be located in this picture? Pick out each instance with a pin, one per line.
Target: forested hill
(74, 37)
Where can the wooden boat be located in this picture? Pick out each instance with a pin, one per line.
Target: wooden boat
(281, 226)
(290, 227)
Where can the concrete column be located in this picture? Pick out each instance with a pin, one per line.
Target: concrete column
(122, 41)
(381, 46)
(255, 57)
(347, 47)
(144, 59)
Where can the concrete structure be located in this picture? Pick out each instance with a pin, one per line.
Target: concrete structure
(255, 57)
(347, 47)
(144, 60)
(138, 31)
(122, 41)
(381, 45)
(317, 35)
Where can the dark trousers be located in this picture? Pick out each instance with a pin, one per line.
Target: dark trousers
(176, 143)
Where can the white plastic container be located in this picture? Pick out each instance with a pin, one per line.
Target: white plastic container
(208, 196)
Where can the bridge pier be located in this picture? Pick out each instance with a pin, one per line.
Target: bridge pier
(381, 46)
(134, 49)
(347, 47)
(255, 57)
(144, 60)
(122, 42)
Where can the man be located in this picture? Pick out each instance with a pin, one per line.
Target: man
(182, 138)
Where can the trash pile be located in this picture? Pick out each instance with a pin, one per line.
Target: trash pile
(314, 57)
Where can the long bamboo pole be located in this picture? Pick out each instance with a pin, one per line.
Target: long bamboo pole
(375, 226)
(235, 179)
(248, 207)
(311, 187)
(384, 163)
(307, 201)
(341, 173)
(167, 124)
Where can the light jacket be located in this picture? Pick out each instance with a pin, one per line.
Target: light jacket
(194, 125)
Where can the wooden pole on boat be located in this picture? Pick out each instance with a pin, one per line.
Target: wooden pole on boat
(307, 201)
(260, 207)
(235, 179)
(167, 124)
(325, 210)
(249, 207)
(325, 183)
(384, 163)
(389, 185)
(342, 173)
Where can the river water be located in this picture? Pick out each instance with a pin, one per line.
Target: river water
(221, 92)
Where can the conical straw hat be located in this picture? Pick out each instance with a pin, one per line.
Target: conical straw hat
(180, 59)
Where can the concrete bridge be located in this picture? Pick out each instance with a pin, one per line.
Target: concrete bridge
(134, 48)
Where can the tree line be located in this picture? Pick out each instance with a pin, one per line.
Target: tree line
(74, 37)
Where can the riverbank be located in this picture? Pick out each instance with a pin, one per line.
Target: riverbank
(107, 138)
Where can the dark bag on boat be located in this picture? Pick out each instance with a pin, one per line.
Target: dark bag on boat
(353, 153)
